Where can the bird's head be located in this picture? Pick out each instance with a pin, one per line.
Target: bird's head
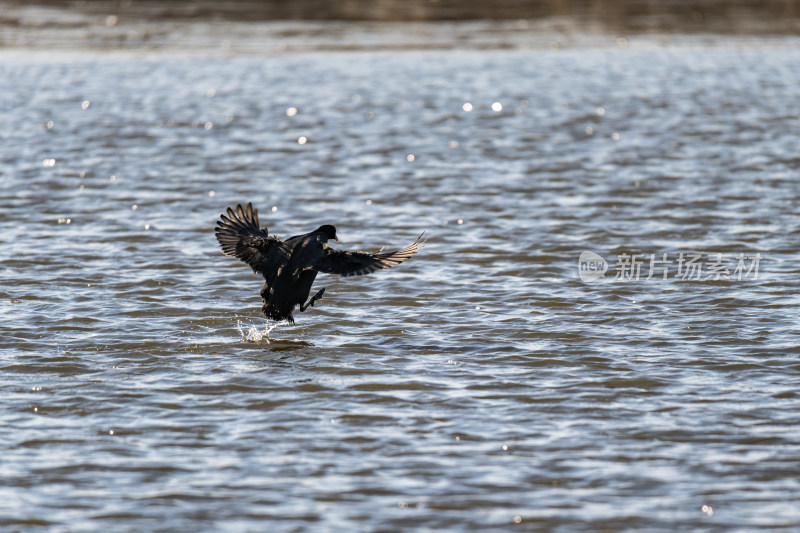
(328, 232)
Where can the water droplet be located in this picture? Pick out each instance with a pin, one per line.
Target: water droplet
(85, 104)
(477, 307)
(460, 220)
(616, 136)
(49, 124)
(368, 202)
(518, 519)
(467, 107)
(209, 125)
(111, 432)
(210, 93)
(589, 130)
(49, 163)
(453, 144)
(134, 207)
(333, 420)
(292, 111)
(35, 409)
(410, 157)
(274, 208)
(111, 20)
(211, 194)
(111, 178)
(458, 438)
(601, 112)
(497, 106)
(147, 226)
(622, 42)
(707, 509)
(505, 448)
(302, 140)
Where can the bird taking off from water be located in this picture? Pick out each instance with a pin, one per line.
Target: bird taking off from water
(289, 267)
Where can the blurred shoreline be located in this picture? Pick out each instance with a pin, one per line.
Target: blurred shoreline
(249, 27)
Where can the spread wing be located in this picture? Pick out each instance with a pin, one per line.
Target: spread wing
(359, 263)
(239, 235)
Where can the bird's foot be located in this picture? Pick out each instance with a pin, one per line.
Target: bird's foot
(310, 302)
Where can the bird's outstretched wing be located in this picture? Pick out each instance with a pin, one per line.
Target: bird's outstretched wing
(239, 235)
(359, 263)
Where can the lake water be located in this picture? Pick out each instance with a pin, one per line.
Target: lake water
(483, 385)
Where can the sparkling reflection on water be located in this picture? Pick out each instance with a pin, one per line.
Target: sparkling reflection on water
(482, 385)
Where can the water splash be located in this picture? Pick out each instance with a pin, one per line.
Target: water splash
(255, 334)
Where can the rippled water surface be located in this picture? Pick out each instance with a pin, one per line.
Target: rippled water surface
(480, 386)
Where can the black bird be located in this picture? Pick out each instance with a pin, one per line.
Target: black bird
(289, 267)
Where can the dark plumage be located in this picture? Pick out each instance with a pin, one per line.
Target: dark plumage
(289, 267)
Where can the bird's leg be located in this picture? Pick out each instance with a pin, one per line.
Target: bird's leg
(310, 302)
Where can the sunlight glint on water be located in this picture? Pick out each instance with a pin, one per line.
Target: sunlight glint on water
(482, 385)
